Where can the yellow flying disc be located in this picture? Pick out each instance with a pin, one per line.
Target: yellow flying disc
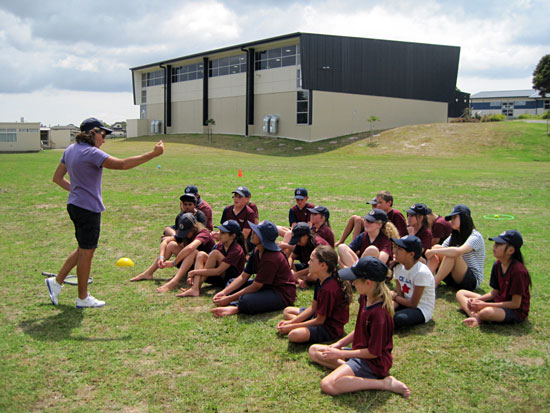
(124, 262)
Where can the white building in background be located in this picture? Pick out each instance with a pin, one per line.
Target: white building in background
(511, 103)
(20, 137)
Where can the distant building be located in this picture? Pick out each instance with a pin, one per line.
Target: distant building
(62, 136)
(510, 103)
(301, 85)
(20, 137)
(119, 130)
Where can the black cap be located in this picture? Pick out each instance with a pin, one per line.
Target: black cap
(373, 201)
(458, 209)
(298, 231)
(242, 191)
(230, 226)
(320, 209)
(376, 215)
(410, 243)
(90, 123)
(268, 233)
(300, 193)
(191, 189)
(188, 197)
(512, 237)
(370, 268)
(186, 223)
(419, 209)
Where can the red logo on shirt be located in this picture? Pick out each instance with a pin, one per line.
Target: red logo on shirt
(405, 289)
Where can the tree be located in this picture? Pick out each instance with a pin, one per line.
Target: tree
(541, 76)
(372, 120)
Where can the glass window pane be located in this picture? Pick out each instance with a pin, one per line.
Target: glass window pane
(271, 63)
(243, 67)
(274, 53)
(235, 69)
(261, 55)
(302, 106)
(224, 61)
(200, 75)
(214, 63)
(235, 60)
(301, 118)
(289, 50)
(261, 65)
(192, 75)
(289, 61)
(223, 70)
(213, 72)
(303, 95)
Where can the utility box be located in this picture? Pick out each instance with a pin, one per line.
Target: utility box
(155, 127)
(267, 120)
(274, 124)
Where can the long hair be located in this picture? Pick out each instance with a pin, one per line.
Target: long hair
(87, 137)
(425, 222)
(326, 254)
(390, 231)
(382, 291)
(466, 227)
(239, 239)
(518, 256)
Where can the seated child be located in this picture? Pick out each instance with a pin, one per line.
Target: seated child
(303, 241)
(201, 205)
(320, 223)
(414, 296)
(325, 319)
(187, 205)
(509, 299)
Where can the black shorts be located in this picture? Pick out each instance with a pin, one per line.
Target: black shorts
(511, 316)
(469, 282)
(319, 334)
(86, 225)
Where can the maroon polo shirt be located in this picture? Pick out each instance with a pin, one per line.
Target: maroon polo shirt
(330, 303)
(234, 255)
(246, 214)
(441, 228)
(254, 208)
(273, 271)
(303, 253)
(374, 330)
(296, 214)
(326, 233)
(207, 242)
(362, 241)
(207, 211)
(514, 282)
(425, 236)
(399, 221)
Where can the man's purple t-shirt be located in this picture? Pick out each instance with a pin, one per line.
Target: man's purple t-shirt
(83, 163)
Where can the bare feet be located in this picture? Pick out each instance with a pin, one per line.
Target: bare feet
(142, 276)
(472, 321)
(224, 311)
(167, 287)
(188, 293)
(394, 385)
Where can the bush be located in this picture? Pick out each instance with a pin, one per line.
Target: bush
(493, 118)
(526, 116)
(546, 115)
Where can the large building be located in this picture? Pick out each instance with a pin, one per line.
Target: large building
(302, 86)
(20, 137)
(511, 103)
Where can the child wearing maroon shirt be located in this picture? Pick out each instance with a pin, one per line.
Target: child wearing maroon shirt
(303, 242)
(324, 320)
(224, 262)
(321, 226)
(369, 360)
(508, 301)
(384, 201)
(273, 288)
(419, 226)
(191, 237)
(298, 213)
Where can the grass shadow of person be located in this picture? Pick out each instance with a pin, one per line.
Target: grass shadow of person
(519, 329)
(418, 329)
(59, 326)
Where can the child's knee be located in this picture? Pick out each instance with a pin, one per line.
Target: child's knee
(327, 386)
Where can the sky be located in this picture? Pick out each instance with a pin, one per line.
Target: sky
(63, 61)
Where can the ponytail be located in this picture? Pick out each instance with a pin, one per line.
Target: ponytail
(390, 231)
(326, 254)
(87, 137)
(383, 292)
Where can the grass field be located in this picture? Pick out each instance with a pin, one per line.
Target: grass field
(150, 352)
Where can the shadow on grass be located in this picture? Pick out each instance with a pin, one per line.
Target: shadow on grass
(270, 146)
(519, 329)
(419, 329)
(59, 326)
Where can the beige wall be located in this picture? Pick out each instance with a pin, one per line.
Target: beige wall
(26, 141)
(138, 127)
(61, 138)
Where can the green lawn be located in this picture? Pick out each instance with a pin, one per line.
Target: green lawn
(146, 351)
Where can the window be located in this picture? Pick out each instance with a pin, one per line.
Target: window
(302, 107)
(152, 78)
(279, 57)
(227, 66)
(546, 104)
(8, 135)
(495, 104)
(143, 96)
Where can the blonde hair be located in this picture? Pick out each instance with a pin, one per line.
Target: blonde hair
(390, 231)
(382, 291)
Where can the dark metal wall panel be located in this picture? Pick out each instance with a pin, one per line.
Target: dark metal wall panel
(205, 91)
(379, 67)
(168, 74)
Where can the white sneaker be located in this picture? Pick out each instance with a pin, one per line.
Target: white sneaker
(89, 302)
(53, 289)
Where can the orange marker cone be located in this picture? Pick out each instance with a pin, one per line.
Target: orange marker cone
(240, 173)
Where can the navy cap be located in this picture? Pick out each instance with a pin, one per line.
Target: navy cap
(376, 215)
(419, 209)
(410, 243)
(242, 191)
(230, 226)
(320, 209)
(298, 231)
(512, 237)
(458, 209)
(300, 193)
(188, 197)
(90, 123)
(370, 268)
(191, 189)
(268, 233)
(373, 201)
(186, 223)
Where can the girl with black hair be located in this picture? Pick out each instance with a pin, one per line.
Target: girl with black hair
(462, 253)
(509, 300)
(325, 318)
(304, 241)
(224, 262)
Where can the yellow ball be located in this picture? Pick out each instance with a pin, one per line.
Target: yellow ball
(124, 262)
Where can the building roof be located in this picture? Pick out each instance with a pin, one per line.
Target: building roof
(525, 93)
